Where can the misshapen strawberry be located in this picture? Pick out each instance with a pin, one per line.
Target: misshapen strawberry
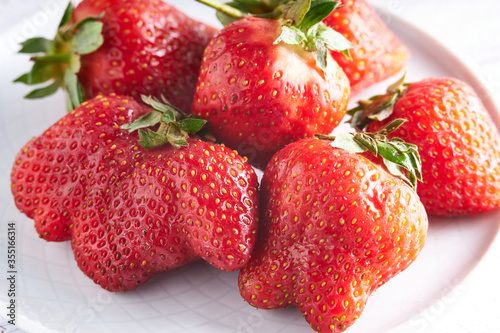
(132, 212)
(124, 47)
(264, 84)
(335, 227)
(376, 53)
(459, 143)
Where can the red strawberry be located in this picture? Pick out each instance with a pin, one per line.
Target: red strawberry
(132, 212)
(376, 53)
(335, 227)
(459, 144)
(259, 92)
(127, 47)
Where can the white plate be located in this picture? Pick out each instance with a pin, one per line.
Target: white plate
(54, 296)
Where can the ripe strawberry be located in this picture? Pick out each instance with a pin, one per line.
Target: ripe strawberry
(459, 144)
(335, 227)
(127, 47)
(263, 85)
(376, 53)
(132, 212)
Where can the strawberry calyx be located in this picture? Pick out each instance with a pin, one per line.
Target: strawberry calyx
(58, 60)
(172, 125)
(401, 159)
(378, 107)
(301, 22)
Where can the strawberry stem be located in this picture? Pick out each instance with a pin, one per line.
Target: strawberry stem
(228, 10)
(301, 23)
(401, 159)
(325, 137)
(378, 107)
(53, 58)
(174, 126)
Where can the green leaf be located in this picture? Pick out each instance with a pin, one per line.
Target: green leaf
(347, 54)
(163, 106)
(174, 127)
(149, 100)
(66, 18)
(391, 153)
(43, 92)
(321, 56)
(36, 45)
(368, 141)
(151, 139)
(86, 20)
(177, 137)
(396, 170)
(25, 78)
(401, 159)
(40, 72)
(320, 9)
(294, 12)
(150, 119)
(227, 9)
(398, 86)
(88, 38)
(155, 104)
(73, 89)
(75, 63)
(395, 152)
(168, 117)
(391, 127)
(225, 19)
(346, 141)
(396, 164)
(247, 3)
(51, 63)
(59, 58)
(290, 35)
(385, 108)
(334, 40)
(413, 163)
(191, 125)
(378, 107)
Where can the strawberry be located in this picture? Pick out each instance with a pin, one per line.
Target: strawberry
(127, 47)
(335, 227)
(263, 84)
(459, 143)
(132, 212)
(376, 53)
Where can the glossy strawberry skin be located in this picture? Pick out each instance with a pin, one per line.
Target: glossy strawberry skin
(459, 146)
(376, 54)
(258, 97)
(149, 48)
(130, 212)
(335, 227)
